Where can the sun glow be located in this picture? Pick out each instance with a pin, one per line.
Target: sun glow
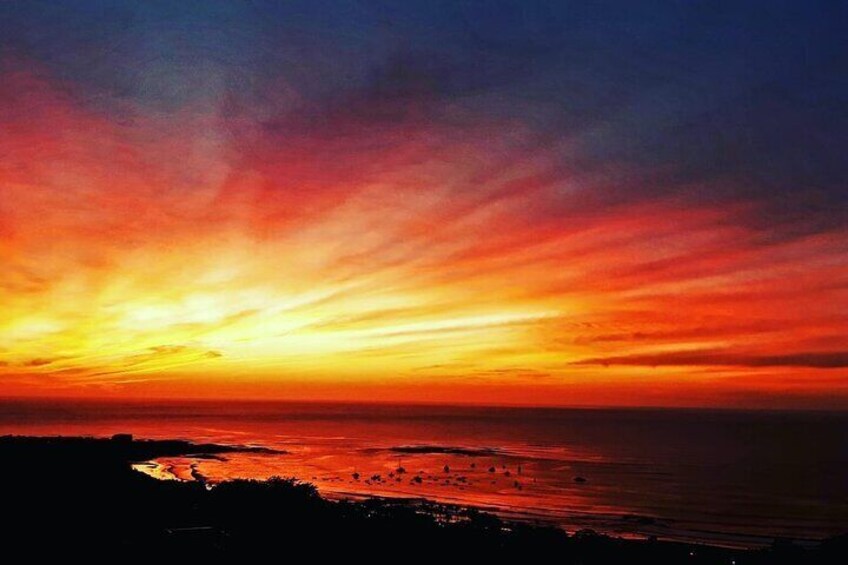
(438, 262)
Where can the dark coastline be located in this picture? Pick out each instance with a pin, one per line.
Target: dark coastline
(68, 496)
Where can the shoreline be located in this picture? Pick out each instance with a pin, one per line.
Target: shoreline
(631, 526)
(610, 525)
(81, 495)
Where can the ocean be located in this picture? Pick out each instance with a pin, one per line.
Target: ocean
(724, 477)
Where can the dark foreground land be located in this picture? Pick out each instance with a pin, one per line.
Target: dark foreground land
(78, 497)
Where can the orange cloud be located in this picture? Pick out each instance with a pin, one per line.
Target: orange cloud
(220, 252)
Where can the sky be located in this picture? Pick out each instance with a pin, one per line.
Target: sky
(528, 202)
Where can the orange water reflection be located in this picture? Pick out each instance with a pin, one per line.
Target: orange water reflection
(507, 481)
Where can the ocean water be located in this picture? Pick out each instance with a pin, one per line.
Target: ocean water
(725, 477)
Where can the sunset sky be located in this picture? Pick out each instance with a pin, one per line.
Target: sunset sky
(638, 203)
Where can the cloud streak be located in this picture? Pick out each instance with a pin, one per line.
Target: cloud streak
(717, 358)
(490, 205)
